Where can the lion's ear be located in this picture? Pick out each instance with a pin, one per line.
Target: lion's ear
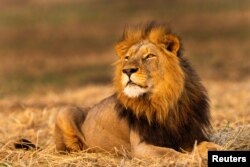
(172, 43)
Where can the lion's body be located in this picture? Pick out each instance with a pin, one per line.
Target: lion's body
(159, 105)
(109, 131)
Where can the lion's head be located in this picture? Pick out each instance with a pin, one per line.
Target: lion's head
(148, 72)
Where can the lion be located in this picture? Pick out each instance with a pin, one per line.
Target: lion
(159, 107)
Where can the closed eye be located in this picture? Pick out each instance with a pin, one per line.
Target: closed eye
(150, 56)
(126, 58)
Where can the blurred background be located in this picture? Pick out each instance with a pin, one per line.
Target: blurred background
(54, 44)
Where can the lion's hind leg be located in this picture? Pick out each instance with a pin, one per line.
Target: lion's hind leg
(68, 135)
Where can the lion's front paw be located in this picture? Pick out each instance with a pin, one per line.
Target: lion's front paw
(204, 147)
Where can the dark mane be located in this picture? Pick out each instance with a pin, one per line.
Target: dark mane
(187, 122)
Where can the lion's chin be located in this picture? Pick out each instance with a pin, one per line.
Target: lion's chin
(134, 91)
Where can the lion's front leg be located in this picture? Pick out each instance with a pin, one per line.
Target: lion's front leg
(143, 150)
(205, 146)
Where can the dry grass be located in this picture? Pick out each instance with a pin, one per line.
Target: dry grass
(33, 118)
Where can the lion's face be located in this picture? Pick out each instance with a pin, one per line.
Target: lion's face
(144, 67)
(139, 66)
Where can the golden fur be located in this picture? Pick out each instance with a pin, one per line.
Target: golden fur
(159, 103)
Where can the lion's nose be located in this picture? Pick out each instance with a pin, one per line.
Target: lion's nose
(130, 71)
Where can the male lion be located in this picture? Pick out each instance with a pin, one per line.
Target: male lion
(159, 106)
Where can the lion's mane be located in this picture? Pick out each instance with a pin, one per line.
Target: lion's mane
(176, 114)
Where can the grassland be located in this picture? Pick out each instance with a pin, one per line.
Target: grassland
(33, 118)
(55, 53)
(50, 38)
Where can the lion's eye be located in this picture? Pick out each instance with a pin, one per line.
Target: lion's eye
(150, 56)
(126, 58)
